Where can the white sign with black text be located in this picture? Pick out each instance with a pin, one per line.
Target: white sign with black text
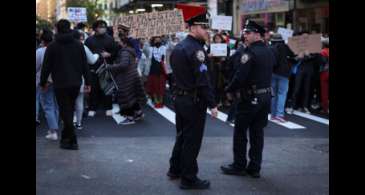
(222, 22)
(285, 33)
(218, 49)
(77, 14)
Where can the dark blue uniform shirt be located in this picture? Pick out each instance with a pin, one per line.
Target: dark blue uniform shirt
(189, 63)
(254, 68)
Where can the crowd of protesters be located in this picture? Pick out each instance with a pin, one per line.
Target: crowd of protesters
(68, 83)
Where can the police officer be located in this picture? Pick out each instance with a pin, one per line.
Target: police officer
(253, 78)
(189, 62)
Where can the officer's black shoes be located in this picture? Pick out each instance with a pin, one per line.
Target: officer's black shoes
(232, 170)
(253, 174)
(196, 184)
(172, 175)
(67, 144)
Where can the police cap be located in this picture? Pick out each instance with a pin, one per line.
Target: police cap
(252, 26)
(194, 15)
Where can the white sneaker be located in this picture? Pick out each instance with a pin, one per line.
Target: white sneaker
(91, 113)
(52, 136)
(306, 111)
(109, 113)
(289, 110)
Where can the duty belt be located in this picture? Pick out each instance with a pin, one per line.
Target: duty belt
(181, 92)
(259, 91)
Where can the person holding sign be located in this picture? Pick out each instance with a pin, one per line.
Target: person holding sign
(193, 95)
(218, 70)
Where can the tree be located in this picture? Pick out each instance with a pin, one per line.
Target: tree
(93, 12)
(41, 23)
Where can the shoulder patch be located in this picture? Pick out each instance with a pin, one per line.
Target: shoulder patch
(200, 55)
(244, 58)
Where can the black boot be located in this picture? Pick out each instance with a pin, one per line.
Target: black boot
(173, 175)
(233, 170)
(194, 184)
(69, 143)
(254, 174)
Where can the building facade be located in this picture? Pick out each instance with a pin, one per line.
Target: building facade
(46, 9)
(299, 15)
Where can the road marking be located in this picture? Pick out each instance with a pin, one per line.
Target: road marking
(165, 112)
(312, 117)
(117, 117)
(170, 115)
(290, 125)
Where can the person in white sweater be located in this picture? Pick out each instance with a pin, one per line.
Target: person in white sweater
(91, 60)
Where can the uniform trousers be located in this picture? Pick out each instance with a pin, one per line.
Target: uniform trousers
(190, 122)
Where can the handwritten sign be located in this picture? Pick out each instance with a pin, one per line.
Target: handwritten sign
(311, 43)
(218, 49)
(77, 14)
(285, 33)
(222, 22)
(152, 24)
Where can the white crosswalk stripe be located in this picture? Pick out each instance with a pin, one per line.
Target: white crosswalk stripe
(290, 125)
(165, 112)
(311, 117)
(170, 116)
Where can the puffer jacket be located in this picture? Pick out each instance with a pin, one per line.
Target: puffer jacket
(130, 87)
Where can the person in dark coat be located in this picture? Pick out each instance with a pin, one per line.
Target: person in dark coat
(104, 45)
(130, 93)
(65, 60)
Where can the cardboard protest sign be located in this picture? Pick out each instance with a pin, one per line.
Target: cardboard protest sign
(222, 22)
(218, 49)
(285, 33)
(152, 24)
(311, 43)
(77, 14)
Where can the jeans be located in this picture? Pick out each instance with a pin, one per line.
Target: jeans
(79, 107)
(37, 97)
(48, 102)
(280, 86)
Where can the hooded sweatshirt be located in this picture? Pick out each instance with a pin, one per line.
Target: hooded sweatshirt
(65, 60)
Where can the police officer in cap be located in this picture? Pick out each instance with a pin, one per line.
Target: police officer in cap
(189, 62)
(253, 79)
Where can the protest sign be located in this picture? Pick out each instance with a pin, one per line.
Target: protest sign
(152, 24)
(311, 43)
(77, 14)
(218, 49)
(232, 42)
(285, 33)
(222, 22)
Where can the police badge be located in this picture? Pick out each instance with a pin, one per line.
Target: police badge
(244, 58)
(200, 55)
